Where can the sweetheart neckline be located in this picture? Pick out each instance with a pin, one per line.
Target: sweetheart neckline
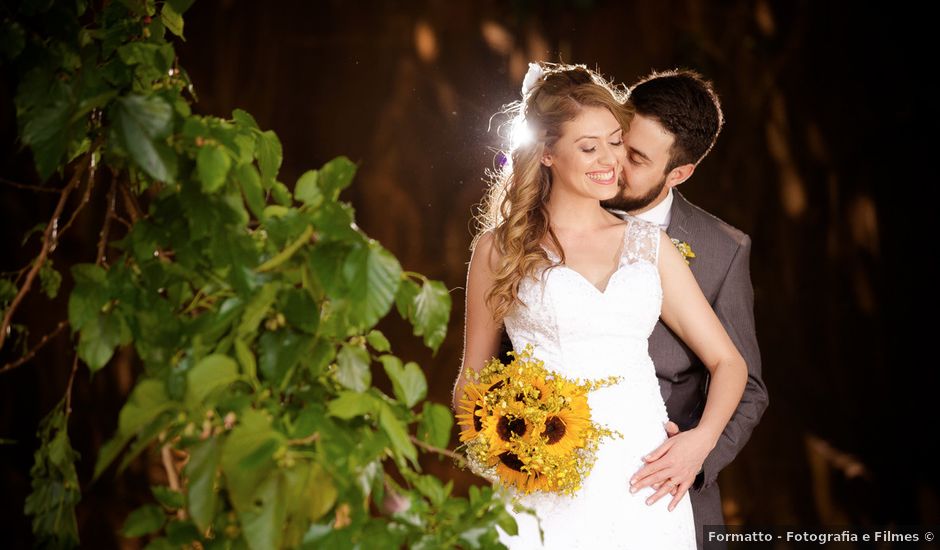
(610, 279)
(620, 264)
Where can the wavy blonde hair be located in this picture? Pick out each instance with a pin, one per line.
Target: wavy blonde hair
(513, 207)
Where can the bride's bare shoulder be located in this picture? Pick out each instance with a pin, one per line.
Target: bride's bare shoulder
(484, 250)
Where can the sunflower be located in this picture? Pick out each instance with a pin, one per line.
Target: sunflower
(474, 411)
(528, 427)
(565, 430)
(514, 472)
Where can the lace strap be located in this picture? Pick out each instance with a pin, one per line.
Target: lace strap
(642, 241)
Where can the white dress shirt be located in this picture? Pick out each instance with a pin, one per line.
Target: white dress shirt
(660, 214)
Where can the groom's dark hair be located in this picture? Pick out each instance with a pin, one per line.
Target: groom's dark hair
(687, 106)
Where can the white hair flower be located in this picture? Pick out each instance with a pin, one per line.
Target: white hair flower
(531, 77)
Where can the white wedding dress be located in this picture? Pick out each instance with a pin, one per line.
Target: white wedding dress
(583, 333)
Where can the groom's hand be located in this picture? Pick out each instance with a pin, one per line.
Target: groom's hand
(673, 466)
(671, 428)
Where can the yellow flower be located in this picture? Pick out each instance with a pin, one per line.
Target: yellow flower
(565, 430)
(528, 427)
(513, 471)
(684, 249)
(473, 411)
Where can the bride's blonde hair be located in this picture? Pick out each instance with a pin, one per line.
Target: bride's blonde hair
(513, 207)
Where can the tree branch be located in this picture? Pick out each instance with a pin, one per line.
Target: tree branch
(85, 197)
(68, 389)
(172, 476)
(50, 236)
(445, 452)
(48, 243)
(29, 355)
(108, 216)
(133, 208)
(304, 440)
(12, 183)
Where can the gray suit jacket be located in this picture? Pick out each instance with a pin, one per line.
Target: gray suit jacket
(721, 267)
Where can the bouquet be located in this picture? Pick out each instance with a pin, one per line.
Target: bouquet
(528, 428)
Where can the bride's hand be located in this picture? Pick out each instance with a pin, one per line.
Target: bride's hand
(673, 466)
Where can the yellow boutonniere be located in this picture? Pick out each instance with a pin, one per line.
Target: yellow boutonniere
(684, 249)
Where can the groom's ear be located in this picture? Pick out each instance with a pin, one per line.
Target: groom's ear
(679, 174)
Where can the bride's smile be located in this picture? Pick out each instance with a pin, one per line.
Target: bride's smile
(585, 159)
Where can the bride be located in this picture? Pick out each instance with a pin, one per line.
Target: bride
(586, 288)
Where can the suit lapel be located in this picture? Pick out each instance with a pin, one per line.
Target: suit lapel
(679, 215)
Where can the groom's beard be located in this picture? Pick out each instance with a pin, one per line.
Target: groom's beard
(629, 204)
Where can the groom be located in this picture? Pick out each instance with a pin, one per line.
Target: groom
(678, 118)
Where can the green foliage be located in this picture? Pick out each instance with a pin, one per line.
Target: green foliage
(251, 306)
(55, 484)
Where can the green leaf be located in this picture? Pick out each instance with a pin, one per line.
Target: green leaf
(397, 434)
(45, 133)
(143, 521)
(430, 487)
(245, 119)
(289, 251)
(335, 221)
(301, 310)
(372, 275)
(213, 164)
(307, 189)
(145, 438)
(148, 400)
(49, 278)
(408, 290)
(167, 497)
(250, 182)
(257, 309)
(408, 382)
(55, 487)
(335, 176)
(180, 6)
(270, 156)
(326, 261)
(435, 425)
(99, 338)
(211, 373)
(247, 359)
(161, 543)
(88, 296)
(432, 311)
(263, 521)
(178, 533)
(353, 368)
(279, 352)
(202, 468)
(320, 491)
(281, 194)
(143, 123)
(378, 341)
(8, 291)
(247, 457)
(349, 404)
(172, 20)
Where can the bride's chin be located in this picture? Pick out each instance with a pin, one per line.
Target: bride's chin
(607, 195)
